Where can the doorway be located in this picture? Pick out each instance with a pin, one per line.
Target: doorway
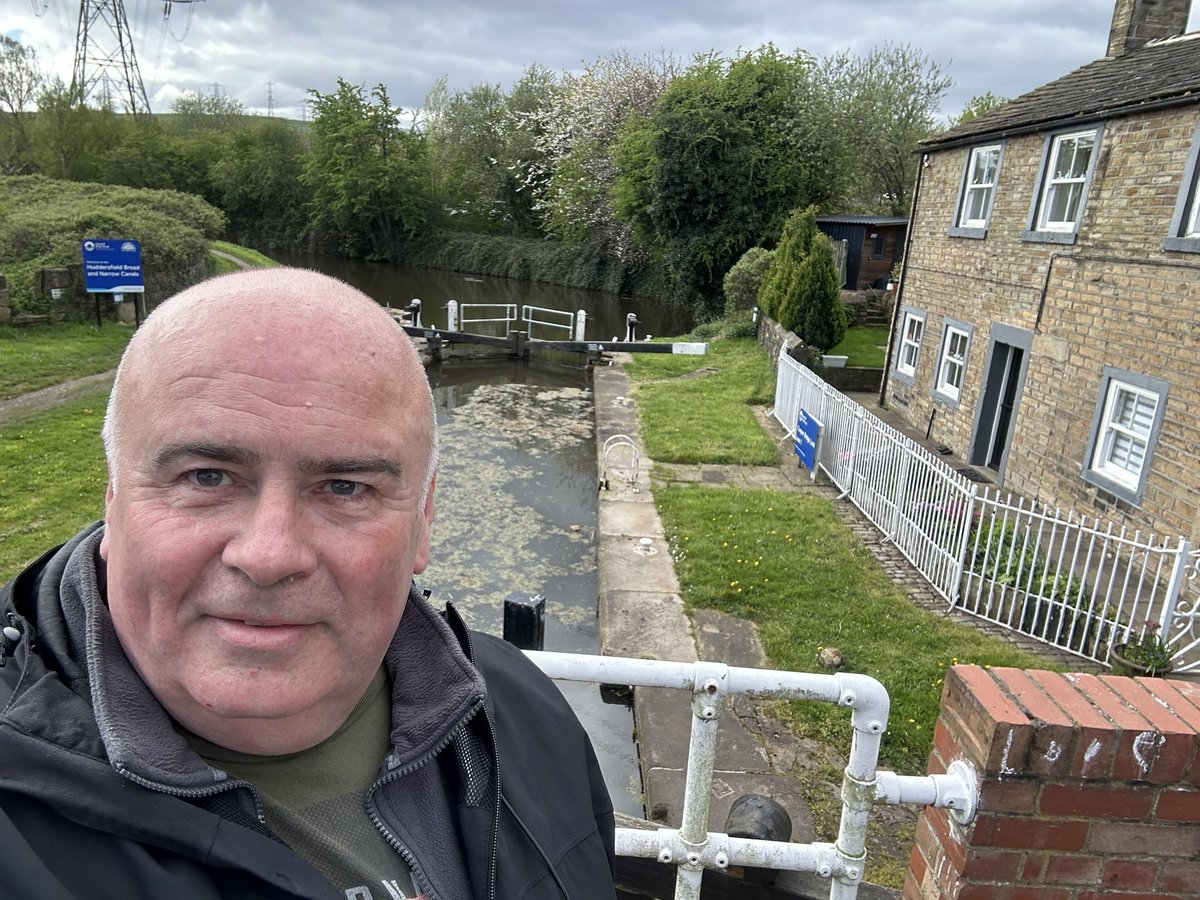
(1004, 379)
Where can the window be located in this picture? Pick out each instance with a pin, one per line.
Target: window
(912, 329)
(979, 189)
(1125, 430)
(879, 244)
(1066, 175)
(952, 362)
(1185, 224)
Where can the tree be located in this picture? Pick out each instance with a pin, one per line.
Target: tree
(712, 170)
(20, 81)
(368, 177)
(822, 320)
(576, 134)
(206, 112)
(887, 103)
(258, 184)
(743, 281)
(779, 296)
(977, 106)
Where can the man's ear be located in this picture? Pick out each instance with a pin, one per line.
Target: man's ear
(425, 525)
(108, 503)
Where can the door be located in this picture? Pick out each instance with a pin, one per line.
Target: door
(997, 412)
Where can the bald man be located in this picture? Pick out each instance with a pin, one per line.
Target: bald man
(230, 687)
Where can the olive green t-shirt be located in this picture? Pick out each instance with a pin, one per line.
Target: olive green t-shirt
(315, 800)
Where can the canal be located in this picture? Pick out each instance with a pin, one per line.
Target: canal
(516, 489)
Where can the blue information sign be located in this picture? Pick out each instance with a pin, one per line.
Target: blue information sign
(112, 266)
(808, 436)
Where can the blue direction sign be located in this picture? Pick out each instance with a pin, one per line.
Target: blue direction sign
(808, 437)
(112, 266)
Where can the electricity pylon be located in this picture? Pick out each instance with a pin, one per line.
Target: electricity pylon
(105, 61)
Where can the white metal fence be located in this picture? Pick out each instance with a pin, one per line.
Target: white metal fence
(1074, 582)
(692, 848)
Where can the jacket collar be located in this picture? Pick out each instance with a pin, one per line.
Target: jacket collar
(435, 687)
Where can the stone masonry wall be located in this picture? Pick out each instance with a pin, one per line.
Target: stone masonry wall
(1114, 297)
(1089, 789)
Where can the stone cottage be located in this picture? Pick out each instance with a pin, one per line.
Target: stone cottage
(1048, 322)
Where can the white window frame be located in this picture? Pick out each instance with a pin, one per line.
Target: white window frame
(972, 187)
(945, 384)
(1052, 184)
(909, 353)
(1103, 465)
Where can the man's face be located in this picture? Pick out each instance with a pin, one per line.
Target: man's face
(266, 524)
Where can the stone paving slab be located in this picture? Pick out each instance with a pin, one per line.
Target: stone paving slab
(645, 625)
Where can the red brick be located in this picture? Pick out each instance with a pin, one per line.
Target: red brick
(1001, 728)
(1012, 831)
(953, 849)
(1127, 764)
(1174, 740)
(1137, 839)
(1178, 806)
(1189, 690)
(916, 864)
(1128, 874)
(959, 739)
(1096, 736)
(993, 865)
(1012, 796)
(1176, 700)
(1116, 895)
(1053, 745)
(1180, 877)
(1067, 868)
(1096, 800)
(992, 892)
(946, 748)
(1034, 868)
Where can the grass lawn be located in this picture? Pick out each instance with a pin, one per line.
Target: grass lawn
(697, 408)
(52, 478)
(37, 356)
(786, 561)
(218, 265)
(864, 346)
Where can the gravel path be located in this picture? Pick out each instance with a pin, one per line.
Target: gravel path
(39, 401)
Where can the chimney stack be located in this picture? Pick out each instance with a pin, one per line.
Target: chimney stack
(1137, 22)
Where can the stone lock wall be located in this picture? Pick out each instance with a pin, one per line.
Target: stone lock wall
(1089, 789)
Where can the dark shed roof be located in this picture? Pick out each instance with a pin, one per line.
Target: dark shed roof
(863, 220)
(1162, 73)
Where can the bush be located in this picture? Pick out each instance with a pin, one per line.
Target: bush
(744, 280)
(821, 319)
(777, 297)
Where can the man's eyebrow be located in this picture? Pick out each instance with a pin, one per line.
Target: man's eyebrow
(351, 465)
(227, 453)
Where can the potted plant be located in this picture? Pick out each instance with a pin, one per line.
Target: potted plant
(1144, 655)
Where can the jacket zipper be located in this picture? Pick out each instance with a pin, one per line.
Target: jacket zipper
(419, 878)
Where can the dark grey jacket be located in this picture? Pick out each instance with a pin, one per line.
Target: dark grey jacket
(99, 797)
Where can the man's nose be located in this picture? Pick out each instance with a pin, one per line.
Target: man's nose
(272, 541)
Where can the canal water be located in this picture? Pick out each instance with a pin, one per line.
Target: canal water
(517, 485)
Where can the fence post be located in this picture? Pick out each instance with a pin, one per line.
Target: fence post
(452, 315)
(1175, 586)
(580, 324)
(961, 562)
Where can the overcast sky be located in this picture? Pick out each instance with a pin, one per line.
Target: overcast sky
(279, 49)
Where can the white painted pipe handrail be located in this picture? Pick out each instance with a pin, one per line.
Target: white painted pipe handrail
(692, 847)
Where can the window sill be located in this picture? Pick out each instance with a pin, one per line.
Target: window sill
(1049, 237)
(905, 377)
(1118, 490)
(957, 231)
(947, 399)
(1182, 244)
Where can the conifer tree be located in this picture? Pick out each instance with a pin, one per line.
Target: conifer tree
(777, 295)
(822, 316)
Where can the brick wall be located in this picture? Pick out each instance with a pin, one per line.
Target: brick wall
(1115, 297)
(1089, 789)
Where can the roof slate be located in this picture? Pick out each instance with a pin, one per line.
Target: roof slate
(1161, 72)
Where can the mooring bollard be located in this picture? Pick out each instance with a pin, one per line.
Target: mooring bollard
(760, 818)
(525, 620)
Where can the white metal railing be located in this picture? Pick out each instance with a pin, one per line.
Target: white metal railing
(1076, 583)
(461, 315)
(692, 848)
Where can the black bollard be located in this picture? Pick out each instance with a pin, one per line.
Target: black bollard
(760, 818)
(525, 620)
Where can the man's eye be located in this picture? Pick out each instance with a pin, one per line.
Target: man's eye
(208, 477)
(345, 488)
